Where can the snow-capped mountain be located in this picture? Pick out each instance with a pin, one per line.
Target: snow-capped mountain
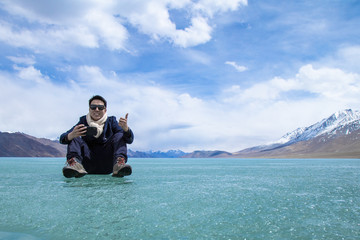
(325, 126)
(156, 154)
(335, 136)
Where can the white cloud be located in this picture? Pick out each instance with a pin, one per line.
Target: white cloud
(23, 38)
(54, 26)
(236, 66)
(90, 24)
(196, 56)
(347, 57)
(329, 82)
(31, 75)
(272, 108)
(153, 18)
(112, 33)
(34, 104)
(350, 54)
(211, 7)
(27, 60)
(53, 39)
(198, 33)
(163, 119)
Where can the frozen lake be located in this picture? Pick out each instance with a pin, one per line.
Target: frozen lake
(183, 199)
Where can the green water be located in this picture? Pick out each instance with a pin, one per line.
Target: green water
(183, 199)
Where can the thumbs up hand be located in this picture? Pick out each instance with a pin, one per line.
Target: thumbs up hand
(123, 123)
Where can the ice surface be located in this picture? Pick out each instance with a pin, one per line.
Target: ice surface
(183, 199)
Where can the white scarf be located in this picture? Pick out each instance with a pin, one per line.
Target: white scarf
(99, 124)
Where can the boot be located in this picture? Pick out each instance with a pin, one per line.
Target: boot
(73, 169)
(121, 169)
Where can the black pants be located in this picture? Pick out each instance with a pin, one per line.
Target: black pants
(98, 158)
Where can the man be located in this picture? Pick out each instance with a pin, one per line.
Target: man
(102, 152)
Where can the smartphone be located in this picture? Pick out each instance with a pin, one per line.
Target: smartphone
(91, 131)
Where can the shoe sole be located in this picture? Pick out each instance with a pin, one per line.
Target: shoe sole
(125, 171)
(70, 173)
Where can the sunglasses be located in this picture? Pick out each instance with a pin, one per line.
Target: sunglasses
(100, 107)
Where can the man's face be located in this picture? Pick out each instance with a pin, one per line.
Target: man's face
(96, 113)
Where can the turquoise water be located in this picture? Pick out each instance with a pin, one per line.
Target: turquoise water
(183, 199)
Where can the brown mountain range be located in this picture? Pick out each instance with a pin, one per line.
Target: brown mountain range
(340, 145)
(23, 145)
(346, 146)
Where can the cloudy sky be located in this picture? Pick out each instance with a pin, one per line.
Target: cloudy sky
(192, 74)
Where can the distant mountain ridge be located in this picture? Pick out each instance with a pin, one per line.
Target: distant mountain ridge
(323, 139)
(23, 145)
(337, 136)
(156, 154)
(327, 125)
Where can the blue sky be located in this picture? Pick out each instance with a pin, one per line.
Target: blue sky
(193, 75)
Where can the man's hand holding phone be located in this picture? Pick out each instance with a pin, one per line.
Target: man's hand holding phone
(91, 131)
(81, 130)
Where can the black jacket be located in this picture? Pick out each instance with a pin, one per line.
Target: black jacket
(110, 128)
